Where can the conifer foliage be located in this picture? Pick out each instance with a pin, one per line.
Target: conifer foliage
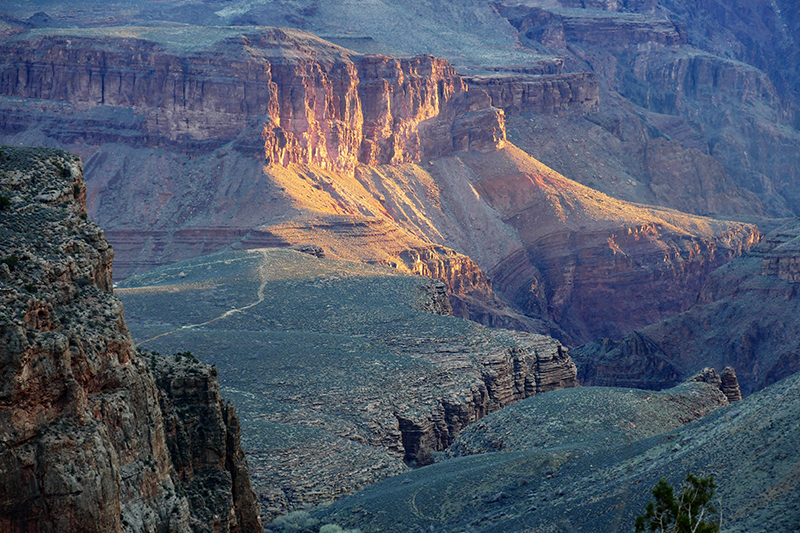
(689, 512)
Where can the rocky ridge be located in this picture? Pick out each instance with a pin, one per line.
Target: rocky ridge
(85, 441)
(591, 416)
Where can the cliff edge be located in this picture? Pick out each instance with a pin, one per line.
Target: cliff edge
(87, 435)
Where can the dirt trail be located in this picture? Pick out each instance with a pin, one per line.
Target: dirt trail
(262, 272)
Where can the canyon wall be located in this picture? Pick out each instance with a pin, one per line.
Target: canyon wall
(541, 94)
(374, 158)
(86, 445)
(697, 101)
(534, 366)
(745, 318)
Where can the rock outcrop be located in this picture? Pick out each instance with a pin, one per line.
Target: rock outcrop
(84, 442)
(533, 367)
(726, 383)
(349, 110)
(588, 417)
(557, 27)
(730, 385)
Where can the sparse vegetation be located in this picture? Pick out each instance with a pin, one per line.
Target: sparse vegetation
(63, 171)
(186, 355)
(690, 512)
(12, 261)
(5, 202)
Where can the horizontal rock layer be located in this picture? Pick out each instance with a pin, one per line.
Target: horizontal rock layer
(514, 94)
(745, 318)
(536, 366)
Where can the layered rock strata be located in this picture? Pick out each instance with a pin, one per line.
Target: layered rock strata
(578, 477)
(84, 445)
(745, 318)
(545, 95)
(686, 98)
(508, 376)
(557, 27)
(593, 265)
(726, 383)
(377, 159)
(319, 104)
(591, 416)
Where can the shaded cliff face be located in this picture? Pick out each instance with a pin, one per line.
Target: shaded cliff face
(697, 99)
(84, 440)
(592, 263)
(746, 317)
(342, 374)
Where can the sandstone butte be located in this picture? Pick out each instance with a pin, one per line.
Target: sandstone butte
(218, 138)
(94, 437)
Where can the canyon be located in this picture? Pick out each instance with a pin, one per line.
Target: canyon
(400, 162)
(302, 193)
(745, 317)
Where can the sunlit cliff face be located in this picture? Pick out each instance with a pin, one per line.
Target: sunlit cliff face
(358, 109)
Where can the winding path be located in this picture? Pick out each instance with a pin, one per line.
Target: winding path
(262, 271)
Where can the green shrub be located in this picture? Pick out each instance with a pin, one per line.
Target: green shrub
(63, 171)
(690, 512)
(5, 202)
(12, 261)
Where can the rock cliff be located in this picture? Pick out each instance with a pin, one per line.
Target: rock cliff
(541, 94)
(84, 442)
(592, 263)
(709, 85)
(745, 318)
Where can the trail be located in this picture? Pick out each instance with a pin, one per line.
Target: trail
(262, 272)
